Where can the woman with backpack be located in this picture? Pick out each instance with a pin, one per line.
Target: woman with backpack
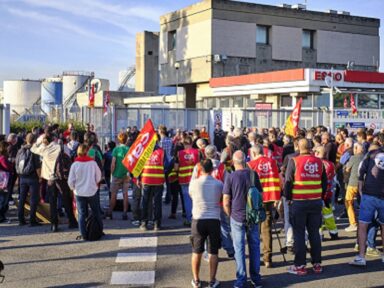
(5, 170)
(83, 179)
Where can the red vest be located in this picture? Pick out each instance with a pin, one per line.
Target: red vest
(268, 173)
(188, 158)
(153, 172)
(307, 183)
(277, 154)
(217, 173)
(330, 171)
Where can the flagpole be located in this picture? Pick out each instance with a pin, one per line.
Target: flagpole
(331, 103)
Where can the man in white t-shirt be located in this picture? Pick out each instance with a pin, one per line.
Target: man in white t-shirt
(205, 193)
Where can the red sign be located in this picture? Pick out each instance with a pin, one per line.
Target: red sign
(321, 75)
(263, 106)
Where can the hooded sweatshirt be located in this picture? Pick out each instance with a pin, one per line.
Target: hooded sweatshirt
(84, 176)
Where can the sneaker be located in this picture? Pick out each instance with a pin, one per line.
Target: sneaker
(356, 248)
(334, 236)
(317, 268)
(373, 252)
(256, 285)
(297, 270)
(143, 227)
(125, 216)
(214, 284)
(108, 215)
(11, 202)
(358, 261)
(351, 228)
(206, 256)
(196, 283)
(135, 223)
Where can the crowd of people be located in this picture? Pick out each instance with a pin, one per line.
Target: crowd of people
(302, 179)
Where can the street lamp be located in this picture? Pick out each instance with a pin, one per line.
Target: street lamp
(177, 66)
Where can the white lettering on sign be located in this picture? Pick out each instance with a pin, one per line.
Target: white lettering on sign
(265, 167)
(136, 153)
(189, 157)
(321, 75)
(311, 168)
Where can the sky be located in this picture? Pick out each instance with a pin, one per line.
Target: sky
(43, 38)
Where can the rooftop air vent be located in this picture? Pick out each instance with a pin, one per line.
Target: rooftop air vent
(285, 6)
(344, 13)
(299, 7)
(330, 11)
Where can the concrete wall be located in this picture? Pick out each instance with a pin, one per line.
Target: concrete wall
(286, 43)
(336, 47)
(233, 38)
(147, 62)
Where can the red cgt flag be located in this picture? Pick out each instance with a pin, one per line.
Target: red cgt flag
(292, 124)
(141, 150)
(345, 102)
(91, 103)
(353, 105)
(107, 100)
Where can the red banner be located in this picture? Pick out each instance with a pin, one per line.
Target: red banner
(292, 124)
(141, 150)
(353, 105)
(91, 103)
(345, 102)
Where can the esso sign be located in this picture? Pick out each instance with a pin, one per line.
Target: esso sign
(321, 75)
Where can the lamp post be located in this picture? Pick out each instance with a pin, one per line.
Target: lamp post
(177, 66)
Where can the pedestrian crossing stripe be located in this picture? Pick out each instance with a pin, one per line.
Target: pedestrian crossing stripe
(142, 278)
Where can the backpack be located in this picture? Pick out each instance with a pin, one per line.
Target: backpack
(93, 229)
(255, 212)
(62, 166)
(24, 162)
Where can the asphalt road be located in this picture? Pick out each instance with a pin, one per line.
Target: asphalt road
(35, 257)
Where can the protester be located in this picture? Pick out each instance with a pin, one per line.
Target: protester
(371, 189)
(268, 173)
(305, 187)
(5, 166)
(28, 167)
(47, 147)
(205, 193)
(83, 179)
(120, 176)
(235, 191)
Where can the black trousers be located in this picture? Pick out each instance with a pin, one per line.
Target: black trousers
(67, 196)
(306, 215)
(175, 189)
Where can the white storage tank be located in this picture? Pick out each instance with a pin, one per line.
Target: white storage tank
(51, 93)
(74, 82)
(21, 94)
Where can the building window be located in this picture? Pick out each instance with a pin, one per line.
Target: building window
(171, 40)
(224, 102)
(321, 100)
(368, 101)
(308, 39)
(307, 101)
(286, 101)
(262, 34)
(211, 102)
(238, 102)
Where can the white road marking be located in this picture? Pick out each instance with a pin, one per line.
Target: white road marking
(133, 278)
(136, 257)
(138, 242)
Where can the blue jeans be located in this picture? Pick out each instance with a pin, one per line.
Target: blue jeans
(187, 201)
(372, 232)
(239, 230)
(28, 184)
(82, 209)
(226, 239)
